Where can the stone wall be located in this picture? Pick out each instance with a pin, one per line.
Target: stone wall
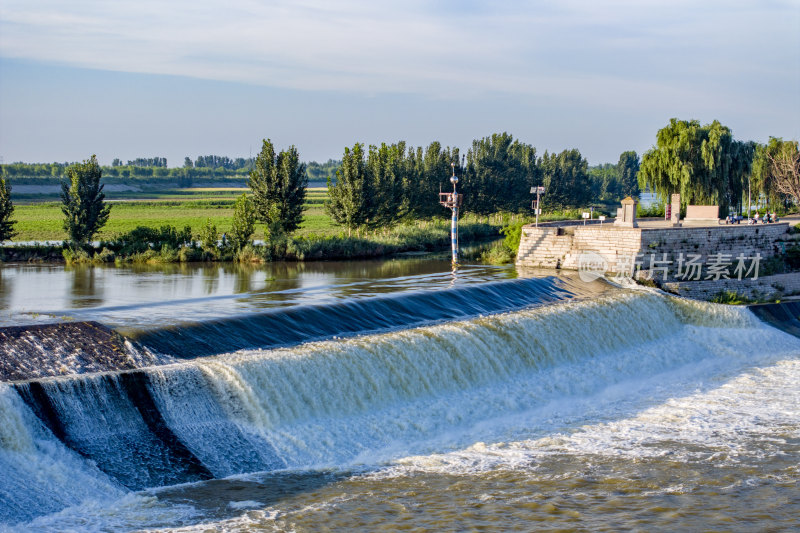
(762, 289)
(624, 250)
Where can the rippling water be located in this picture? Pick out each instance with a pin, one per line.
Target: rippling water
(624, 410)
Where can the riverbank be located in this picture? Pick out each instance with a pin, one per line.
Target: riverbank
(166, 245)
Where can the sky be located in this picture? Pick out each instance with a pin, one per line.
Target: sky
(124, 79)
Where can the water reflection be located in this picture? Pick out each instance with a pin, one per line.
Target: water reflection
(5, 289)
(84, 289)
(142, 295)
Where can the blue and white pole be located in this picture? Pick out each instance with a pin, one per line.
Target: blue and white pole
(454, 222)
(452, 201)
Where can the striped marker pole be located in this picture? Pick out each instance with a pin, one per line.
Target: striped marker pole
(454, 234)
(454, 223)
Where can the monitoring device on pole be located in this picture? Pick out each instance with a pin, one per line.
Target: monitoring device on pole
(538, 191)
(452, 200)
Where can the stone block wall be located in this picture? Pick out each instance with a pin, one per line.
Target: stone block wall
(764, 288)
(710, 244)
(622, 248)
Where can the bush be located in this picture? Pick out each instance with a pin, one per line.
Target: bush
(793, 257)
(729, 298)
(498, 254)
(142, 239)
(513, 235)
(655, 210)
(77, 256)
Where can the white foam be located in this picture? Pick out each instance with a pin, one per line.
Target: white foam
(621, 375)
(39, 474)
(752, 414)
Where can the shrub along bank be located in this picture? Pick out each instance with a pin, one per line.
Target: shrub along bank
(170, 245)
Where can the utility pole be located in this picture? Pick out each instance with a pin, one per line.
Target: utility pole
(453, 201)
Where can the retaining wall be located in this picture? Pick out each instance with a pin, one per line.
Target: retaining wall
(624, 250)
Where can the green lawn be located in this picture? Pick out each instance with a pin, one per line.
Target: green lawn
(43, 221)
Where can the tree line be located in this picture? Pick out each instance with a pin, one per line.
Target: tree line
(706, 165)
(382, 185)
(204, 167)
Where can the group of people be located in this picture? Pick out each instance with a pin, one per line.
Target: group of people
(766, 219)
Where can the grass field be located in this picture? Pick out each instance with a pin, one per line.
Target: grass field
(42, 221)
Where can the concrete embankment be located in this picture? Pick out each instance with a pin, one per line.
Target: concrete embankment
(46, 350)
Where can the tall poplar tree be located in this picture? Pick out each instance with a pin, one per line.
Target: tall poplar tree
(244, 222)
(350, 198)
(279, 185)
(82, 200)
(499, 174)
(565, 177)
(6, 210)
(628, 171)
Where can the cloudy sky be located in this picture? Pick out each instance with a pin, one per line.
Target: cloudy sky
(176, 78)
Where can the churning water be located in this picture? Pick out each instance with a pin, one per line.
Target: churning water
(621, 409)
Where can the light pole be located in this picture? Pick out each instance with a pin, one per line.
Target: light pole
(538, 191)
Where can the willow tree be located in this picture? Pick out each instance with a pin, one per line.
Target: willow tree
(82, 200)
(279, 185)
(702, 163)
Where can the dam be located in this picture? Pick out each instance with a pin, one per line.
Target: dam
(393, 394)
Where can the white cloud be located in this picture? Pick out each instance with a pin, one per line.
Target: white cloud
(440, 49)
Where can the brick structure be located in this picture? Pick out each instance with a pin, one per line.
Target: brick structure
(563, 247)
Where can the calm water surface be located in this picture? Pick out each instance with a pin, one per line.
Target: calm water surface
(144, 295)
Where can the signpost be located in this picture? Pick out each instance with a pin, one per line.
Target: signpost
(601, 218)
(538, 191)
(585, 216)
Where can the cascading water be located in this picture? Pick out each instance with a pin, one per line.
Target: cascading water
(361, 401)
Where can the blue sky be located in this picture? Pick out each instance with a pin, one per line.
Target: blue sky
(153, 78)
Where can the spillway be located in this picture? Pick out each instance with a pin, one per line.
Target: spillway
(412, 376)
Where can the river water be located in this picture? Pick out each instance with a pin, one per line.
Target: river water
(585, 407)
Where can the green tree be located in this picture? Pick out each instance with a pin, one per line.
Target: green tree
(209, 238)
(349, 201)
(764, 176)
(499, 174)
(566, 180)
(702, 163)
(785, 169)
(628, 171)
(387, 167)
(6, 210)
(244, 222)
(82, 201)
(428, 172)
(279, 188)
